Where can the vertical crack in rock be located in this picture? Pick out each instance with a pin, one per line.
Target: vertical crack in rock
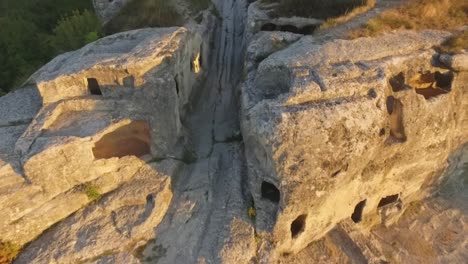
(199, 219)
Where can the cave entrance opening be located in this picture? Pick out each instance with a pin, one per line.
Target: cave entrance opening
(132, 139)
(388, 200)
(298, 225)
(358, 211)
(270, 192)
(93, 86)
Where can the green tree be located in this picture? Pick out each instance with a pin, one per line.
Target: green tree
(76, 30)
(30, 35)
(21, 50)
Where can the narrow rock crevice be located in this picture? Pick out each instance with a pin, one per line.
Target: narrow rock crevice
(17, 123)
(304, 30)
(214, 135)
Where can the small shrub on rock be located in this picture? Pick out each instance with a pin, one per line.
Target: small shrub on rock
(92, 192)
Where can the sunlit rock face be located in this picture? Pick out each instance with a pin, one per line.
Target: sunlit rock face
(239, 139)
(349, 130)
(431, 230)
(112, 227)
(105, 111)
(121, 76)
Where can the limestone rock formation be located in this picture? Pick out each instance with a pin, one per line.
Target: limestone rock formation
(122, 221)
(98, 125)
(383, 116)
(346, 130)
(125, 72)
(241, 139)
(456, 62)
(430, 231)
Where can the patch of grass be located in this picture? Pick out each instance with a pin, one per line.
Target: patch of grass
(252, 213)
(417, 15)
(315, 8)
(152, 13)
(145, 13)
(8, 252)
(92, 192)
(350, 14)
(455, 44)
(258, 238)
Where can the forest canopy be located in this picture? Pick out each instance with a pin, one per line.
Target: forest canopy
(32, 32)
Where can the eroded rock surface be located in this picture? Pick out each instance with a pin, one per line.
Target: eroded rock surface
(118, 224)
(430, 231)
(98, 125)
(245, 139)
(382, 118)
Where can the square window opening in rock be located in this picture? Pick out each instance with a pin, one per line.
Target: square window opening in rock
(93, 86)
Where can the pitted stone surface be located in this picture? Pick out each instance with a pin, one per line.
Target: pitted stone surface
(323, 123)
(139, 152)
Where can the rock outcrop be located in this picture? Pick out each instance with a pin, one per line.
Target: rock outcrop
(344, 129)
(126, 72)
(107, 109)
(242, 139)
(430, 231)
(114, 227)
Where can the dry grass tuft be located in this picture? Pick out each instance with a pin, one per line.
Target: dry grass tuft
(316, 8)
(331, 22)
(8, 252)
(144, 13)
(152, 13)
(417, 15)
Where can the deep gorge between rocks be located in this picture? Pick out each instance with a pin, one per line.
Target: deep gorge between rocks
(216, 184)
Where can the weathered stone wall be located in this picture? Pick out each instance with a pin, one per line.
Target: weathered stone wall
(348, 130)
(131, 70)
(107, 109)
